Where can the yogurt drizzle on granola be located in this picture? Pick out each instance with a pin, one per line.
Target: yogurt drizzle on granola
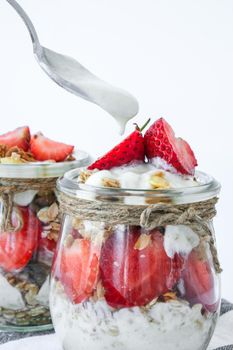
(140, 176)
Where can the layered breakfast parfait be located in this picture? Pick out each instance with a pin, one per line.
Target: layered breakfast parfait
(29, 223)
(136, 265)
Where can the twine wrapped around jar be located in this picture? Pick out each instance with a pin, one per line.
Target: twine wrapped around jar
(10, 186)
(195, 215)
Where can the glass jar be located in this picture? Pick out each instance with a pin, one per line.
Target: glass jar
(136, 269)
(29, 227)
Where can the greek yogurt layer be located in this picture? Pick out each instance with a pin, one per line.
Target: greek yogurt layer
(155, 175)
(43, 295)
(162, 326)
(24, 198)
(180, 239)
(10, 297)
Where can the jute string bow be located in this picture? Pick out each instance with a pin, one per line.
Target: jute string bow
(9, 187)
(197, 216)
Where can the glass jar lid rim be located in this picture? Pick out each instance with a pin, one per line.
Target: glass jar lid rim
(207, 188)
(43, 169)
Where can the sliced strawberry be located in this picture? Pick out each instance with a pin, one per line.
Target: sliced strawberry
(129, 150)
(19, 137)
(79, 268)
(199, 282)
(45, 149)
(17, 248)
(133, 276)
(160, 141)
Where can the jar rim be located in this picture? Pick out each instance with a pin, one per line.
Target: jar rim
(44, 169)
(207, 188)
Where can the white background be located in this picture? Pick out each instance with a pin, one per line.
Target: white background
(176, 57)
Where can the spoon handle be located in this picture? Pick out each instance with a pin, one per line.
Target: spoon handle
(28, 23)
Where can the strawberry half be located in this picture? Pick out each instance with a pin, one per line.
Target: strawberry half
(129, 150)
(134, 273)
(160, 141)
(19, 137)
(79, 268)
(17, 248)
(199, 282)
(43, 148)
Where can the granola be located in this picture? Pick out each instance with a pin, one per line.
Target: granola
(84, 175)
(107, 182)
(158, 181)
(3, 151)
(143, 241)
(24, 156)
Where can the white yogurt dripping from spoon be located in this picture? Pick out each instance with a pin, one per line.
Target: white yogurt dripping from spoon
(80, 81)
(72, 76)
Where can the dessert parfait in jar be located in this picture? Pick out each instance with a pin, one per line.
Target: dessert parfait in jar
(136, 264)
(29, 224)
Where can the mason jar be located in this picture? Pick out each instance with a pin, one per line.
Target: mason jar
(136, 269)
(29, 228)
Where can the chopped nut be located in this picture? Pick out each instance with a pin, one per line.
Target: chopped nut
(169, 296)
(21, 285)
(84, 175)
(30, 296)
(48, 214)
(158, 181)
(43, 215)
(51, 231)
(31, 287)
(77, 224)
(151, 303)
(24, 156)
(55, 226)
(142, 242)
(99, 292)
(53, 211)
(70, 158)
(8, 314)
(11, 281)
(14, 159)
(106, 182)
(3, 151)
(53, 235)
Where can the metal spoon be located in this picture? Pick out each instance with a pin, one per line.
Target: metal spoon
(72, 76)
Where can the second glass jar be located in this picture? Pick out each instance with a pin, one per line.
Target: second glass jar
(30, 224)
